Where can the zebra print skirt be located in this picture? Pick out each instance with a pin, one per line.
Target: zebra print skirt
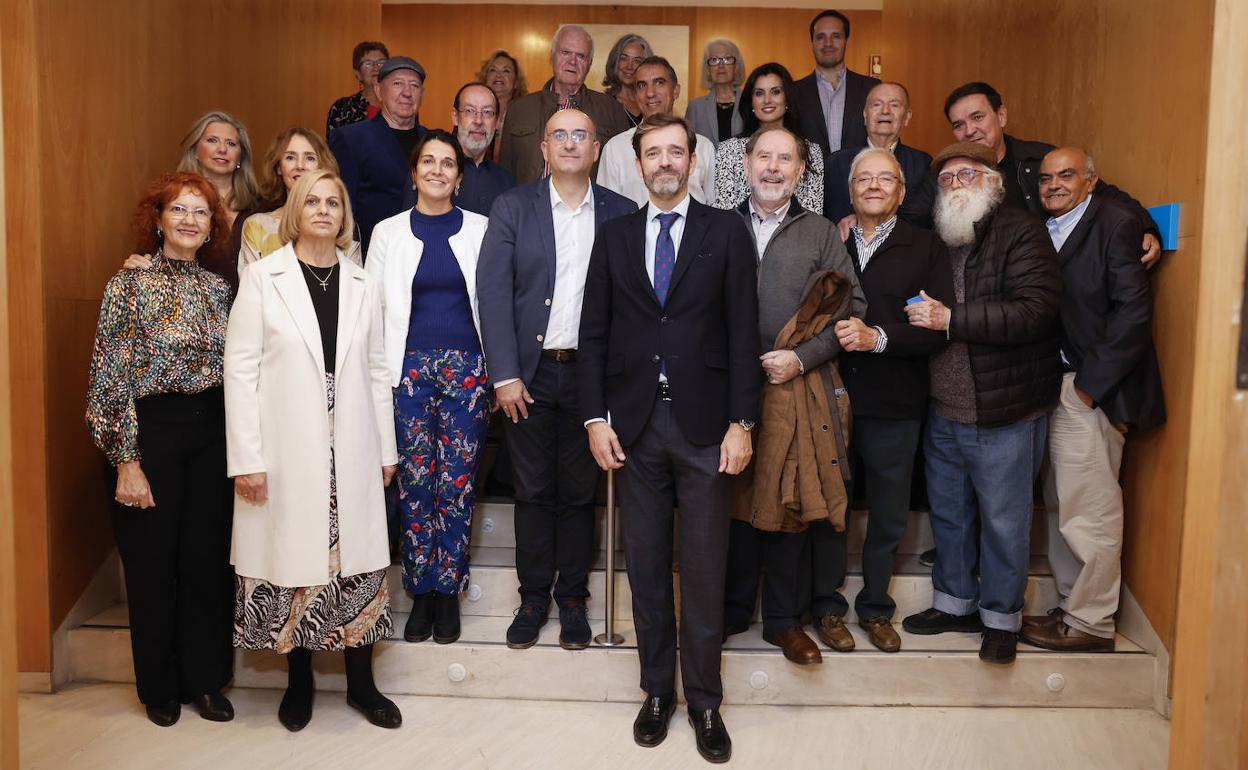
(350, 611)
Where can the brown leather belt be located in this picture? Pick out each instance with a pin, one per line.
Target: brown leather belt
(562, 355)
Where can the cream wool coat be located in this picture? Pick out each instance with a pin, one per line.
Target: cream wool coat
(393, 256)
(276, 424)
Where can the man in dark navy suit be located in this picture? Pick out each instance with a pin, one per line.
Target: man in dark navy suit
(830, 99)
(669, 352)
(530, 279)
(373, 155)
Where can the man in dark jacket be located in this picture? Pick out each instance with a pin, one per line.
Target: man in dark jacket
(885, 370)
(991, 390)
(830, 99)
(1112, 385)
(976, 114)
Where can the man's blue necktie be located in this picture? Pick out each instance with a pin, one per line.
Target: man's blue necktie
(664, 256)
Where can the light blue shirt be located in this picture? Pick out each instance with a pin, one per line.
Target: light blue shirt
(832, 99)
(1061, 227)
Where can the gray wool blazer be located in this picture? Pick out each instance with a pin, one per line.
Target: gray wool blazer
(701, 115)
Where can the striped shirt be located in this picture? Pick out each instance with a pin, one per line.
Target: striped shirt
(866, 249)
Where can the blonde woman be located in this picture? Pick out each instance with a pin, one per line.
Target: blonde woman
(310, 432)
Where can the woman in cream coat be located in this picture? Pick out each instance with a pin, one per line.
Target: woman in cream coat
(426, 260)
(310, 446)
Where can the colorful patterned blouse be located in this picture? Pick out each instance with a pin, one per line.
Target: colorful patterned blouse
(347, 110)
(161, 330)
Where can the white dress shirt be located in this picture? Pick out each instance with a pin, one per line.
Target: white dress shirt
(1061, 227)
(617, 170)
(574, 240)
(765, 225)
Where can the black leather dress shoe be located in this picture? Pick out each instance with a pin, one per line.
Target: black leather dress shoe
(166, 714)
(385, 713)
(708, 728)
(295, 710)
(650, 726)
(214, 707)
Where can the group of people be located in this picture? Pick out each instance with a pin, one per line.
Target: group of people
(754, 310)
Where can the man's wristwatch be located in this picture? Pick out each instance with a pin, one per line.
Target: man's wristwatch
(746, 425)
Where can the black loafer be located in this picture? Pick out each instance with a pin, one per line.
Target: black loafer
(295, 711)
(933, 621)
(166, 714)
(650, 726)
(998, 646)
(708, 728)
(214, 707)
(385, 715)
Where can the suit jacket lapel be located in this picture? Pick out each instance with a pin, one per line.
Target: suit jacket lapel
(546, 228)
(635, 248)
(1080, 233)
(350, 302)
(293, 289)
(690, 241)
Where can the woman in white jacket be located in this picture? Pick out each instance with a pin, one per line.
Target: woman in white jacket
(310, 446)
(426, 260)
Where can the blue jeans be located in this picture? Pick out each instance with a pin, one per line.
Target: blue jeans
(989, 473)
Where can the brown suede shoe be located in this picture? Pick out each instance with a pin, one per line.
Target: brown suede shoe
(832, 632)
(797, 646)
(882, 634)
(1061, 637)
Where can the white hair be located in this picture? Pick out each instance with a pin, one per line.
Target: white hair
(875, 152)
(957, 211)
(554, 41)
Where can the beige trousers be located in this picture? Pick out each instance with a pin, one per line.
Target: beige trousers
(1084, 503)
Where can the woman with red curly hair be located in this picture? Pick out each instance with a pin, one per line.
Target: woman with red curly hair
(156, 409)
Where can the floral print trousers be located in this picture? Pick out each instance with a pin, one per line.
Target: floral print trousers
(441, 411)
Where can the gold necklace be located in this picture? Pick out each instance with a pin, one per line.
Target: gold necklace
(324, 282)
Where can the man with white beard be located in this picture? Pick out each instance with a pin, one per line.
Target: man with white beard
(792, 245)
(475, 116)
(992, 388)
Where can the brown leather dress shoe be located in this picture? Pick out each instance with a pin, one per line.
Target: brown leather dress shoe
(1047, 619)
(882, 634)
(833, 632)
(797, 646)
(1062, 638)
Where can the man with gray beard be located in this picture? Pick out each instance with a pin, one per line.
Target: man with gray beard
(475, 117)
(991, 391)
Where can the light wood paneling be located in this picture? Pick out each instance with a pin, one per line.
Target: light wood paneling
(451, 45)
(1088, 74)
(1211, 670)
(123, 81)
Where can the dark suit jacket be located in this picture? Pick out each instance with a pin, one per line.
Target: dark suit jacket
(920, 186)
(375, 171)
(810, 111)
(1107, 316)
(893, 384)
(706, 333)
(516, 274)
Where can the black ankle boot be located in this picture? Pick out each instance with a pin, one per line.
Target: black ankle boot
(362, 692)
(446, 618)
(296, 709)
(420, 623)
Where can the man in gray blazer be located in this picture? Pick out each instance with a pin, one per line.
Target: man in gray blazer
(792, 245)
(530, 282)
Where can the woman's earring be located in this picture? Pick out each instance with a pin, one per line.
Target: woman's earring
(160, 233)
(209, 238)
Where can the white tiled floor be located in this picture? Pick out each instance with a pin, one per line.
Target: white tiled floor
(102, 726)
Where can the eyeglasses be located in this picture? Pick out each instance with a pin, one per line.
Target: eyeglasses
(863, 181)
(371, 64)
(471, 113)
(715, 61)
(561, 135)
(180, 213)
(964, 175)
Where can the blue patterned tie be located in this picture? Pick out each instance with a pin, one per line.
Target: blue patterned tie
(664, 256)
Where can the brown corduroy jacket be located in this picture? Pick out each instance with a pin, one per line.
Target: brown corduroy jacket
(800, 470)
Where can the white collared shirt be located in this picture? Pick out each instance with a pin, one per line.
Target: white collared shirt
(677, 230)
(617, 170)
(574, 240)
(765, 225)
(1061, 227)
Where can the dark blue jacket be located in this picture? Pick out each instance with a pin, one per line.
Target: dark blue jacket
(375, 171)
(920, 186)
(516, 274)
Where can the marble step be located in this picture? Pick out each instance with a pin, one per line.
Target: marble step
(939, 670)
(493, 527)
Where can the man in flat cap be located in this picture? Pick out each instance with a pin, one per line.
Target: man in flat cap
(992, 388)
(373, 154)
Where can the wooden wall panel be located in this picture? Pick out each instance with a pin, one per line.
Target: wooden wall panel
(451, 42)
(125, 80)
(1088, 73)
